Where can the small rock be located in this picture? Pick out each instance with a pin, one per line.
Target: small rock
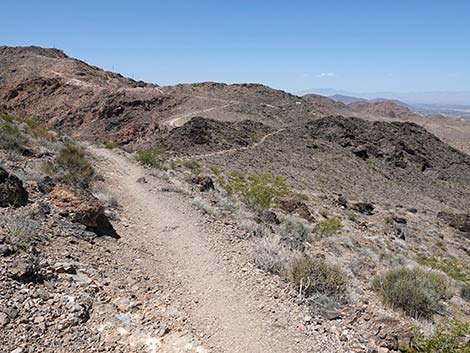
(366, 208)
(205, 182)
(4, 319)
(400, 220)
(12, 192)
(142, 180)
(65, 267)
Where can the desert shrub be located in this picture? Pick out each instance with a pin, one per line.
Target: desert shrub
(215, 170)
(11, 138)
(175, 164)
(294, 233)
(317, 280)
(450, 336)
(330, 226)
(194, 166)
(204, 207)
(72, 167)
(416, 290)
(352, 216)
(150, 157)
(23, 232)
(453, 268)
(111, 145)
(258, 190)
(271, 254)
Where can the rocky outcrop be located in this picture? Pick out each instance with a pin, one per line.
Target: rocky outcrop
(296, 207)
(458, 221)
(395, 147)
(82, 208)
(204, 182)
(206, 135)
(12, 192)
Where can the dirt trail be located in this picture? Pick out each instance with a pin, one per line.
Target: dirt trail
(176, 120)
(228, 307)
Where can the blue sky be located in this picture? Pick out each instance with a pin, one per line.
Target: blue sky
(361, 45)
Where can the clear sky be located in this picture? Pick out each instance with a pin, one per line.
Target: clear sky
(356, 45)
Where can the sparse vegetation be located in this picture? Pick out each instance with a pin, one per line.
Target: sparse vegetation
(322, 284)
(23, 232)
(271, 254)
(111, 145)
(72, 167)
(194, 166)
(453, 268)
(259, 190)
(11, 138)
(416, 290)
(294, 233)
(352, 216)
(215, 170)
(330, 226)
(449, 336)
(151, 157)
(204, 207)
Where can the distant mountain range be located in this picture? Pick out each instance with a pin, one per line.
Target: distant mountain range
(455, 104)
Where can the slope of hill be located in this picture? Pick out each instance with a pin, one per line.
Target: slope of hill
(100, 105)
(256, 221)
(382, 109)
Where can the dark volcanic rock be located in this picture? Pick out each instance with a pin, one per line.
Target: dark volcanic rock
(12, 192)
(297, 207)
(363, 207)
(204, 181)
(206, 135)
(457, 221)
(395, 146)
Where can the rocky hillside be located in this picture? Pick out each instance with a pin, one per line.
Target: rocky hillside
(386, 109)
(224, 218)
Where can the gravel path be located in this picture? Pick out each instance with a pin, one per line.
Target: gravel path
(231, 306)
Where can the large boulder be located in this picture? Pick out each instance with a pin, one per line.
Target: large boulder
(297, 207)
(204, 181)
(12, 192)
(82, 208)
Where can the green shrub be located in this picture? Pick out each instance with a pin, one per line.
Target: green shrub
(453, 268)
(315, 276)
(194, 166)
(175, 164)
(352, 216)
(11, 138)
(111, 145)
(215, 170)
(259, 190)
(328, 227)
(72, 167)
(150, 157)
(417, 291)
(450, 336)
